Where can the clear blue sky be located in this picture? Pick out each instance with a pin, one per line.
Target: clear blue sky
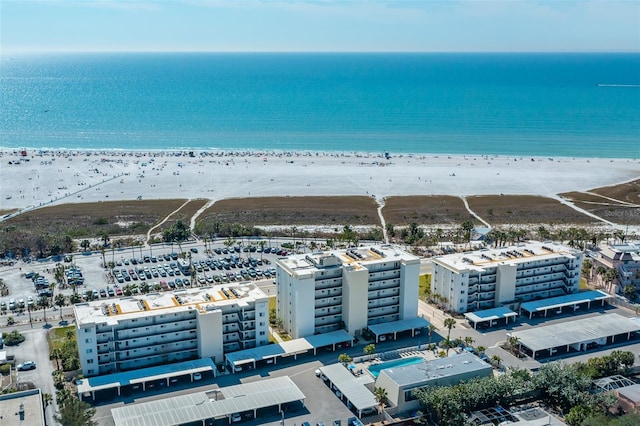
(323, 25)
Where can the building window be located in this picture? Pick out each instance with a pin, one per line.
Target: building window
(90, 371)
(87, 340)
(87, 330)
(262, 333)
(90, 361)
(89, 350)
(261, 314)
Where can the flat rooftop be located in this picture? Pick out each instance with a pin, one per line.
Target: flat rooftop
(435, 369)
(31, 403)
(578, 331)
(115, 309)
(355, 258)
(480, 260)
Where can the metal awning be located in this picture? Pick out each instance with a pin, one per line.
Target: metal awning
(398, 326)
(572, 332)
(567, 300)
(353, 388)
(490, 314)
(112, 381)
(198, 406)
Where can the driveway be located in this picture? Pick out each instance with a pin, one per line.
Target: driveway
(35, 348)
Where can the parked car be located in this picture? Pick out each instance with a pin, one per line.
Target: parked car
(27, 365)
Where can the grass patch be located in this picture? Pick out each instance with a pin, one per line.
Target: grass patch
(425, 210)
(290, 211)
(424, 286)
(524, 209)
(58, 336)
(93, 219)
(272, 303)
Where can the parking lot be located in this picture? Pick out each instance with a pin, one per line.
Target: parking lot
(136, 270)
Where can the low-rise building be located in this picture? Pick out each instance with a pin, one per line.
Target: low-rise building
(158, 328)
(22, 408)
(506, 276)
(624, 258)
(401, 383)
(350, 289)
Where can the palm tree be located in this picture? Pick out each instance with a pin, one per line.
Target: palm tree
(60, 301)
(430, 330)
(610, 276)
(370, 349)
(496, 360)
(85, 245)
(381, 398)
(43, 302)
(513, 342)
(56, 354)
(47, 398)
(468, 341)
(601, 271)
(481, 349)
(262, 243)
(449, 323)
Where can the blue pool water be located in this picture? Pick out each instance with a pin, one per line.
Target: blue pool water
(376, 368)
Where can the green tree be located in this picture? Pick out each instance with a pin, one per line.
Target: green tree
(56, 354)
(43, 302)
(74, 412)
(85, 245)
(47, 398)
(344, 359)
(449, 323)
(430, 329)
(60, 302)
(370, 349)
(381, 398)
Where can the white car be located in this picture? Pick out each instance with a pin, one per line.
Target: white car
(27, 365)
(236, 417)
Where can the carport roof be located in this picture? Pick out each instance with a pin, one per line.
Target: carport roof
(110, 381)
(401, 325)
(579, 331)
(197, 406)
(326, 339)
(567, 300)
(353, 388)
(289, 347)
(490, 314)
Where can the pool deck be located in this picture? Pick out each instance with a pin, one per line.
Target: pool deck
(382, 357)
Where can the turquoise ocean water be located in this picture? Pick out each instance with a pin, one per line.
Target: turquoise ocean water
(585, 105)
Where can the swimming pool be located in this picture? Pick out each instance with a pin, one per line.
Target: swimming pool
(375, 369)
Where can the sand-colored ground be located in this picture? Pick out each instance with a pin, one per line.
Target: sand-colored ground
(85, 176)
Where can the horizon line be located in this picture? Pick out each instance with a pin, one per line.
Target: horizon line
(69, 51)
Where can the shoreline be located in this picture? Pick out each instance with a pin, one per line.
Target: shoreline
(213, 151)
(73, 176)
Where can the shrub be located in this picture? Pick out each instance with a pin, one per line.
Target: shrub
(5, 369)
(12, 339)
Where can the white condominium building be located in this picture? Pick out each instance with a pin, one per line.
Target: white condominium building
(491, 278)
(350, 289)
(159, 328)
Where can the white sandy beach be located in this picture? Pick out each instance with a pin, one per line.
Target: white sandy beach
(56, 177)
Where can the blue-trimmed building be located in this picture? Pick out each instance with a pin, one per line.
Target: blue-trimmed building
(506, 276)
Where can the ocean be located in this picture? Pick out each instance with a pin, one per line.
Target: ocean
(573, 105)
